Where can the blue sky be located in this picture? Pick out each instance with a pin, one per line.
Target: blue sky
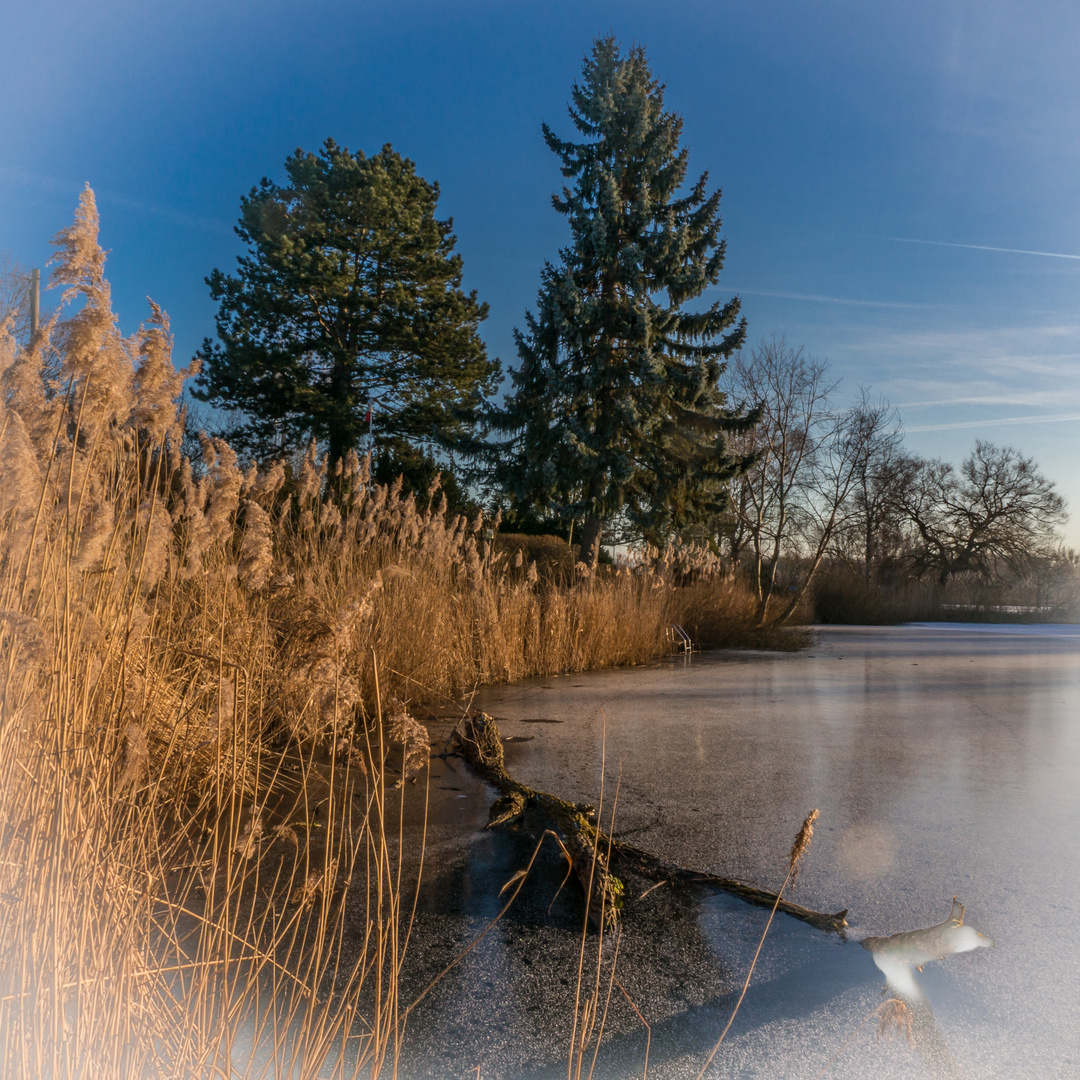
(901, 180)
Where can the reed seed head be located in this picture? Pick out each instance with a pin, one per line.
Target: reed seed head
(802, 843)
(210, 606)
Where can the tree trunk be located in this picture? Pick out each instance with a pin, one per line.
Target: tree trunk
(590, 542)
(823, 546)
(801, 591)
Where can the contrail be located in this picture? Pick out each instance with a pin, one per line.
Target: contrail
(983, 247)
(994, 423)
(817, 299)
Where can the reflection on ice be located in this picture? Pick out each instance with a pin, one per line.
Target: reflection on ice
(897, 954)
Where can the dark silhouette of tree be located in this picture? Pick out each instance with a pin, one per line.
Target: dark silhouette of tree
(993, 514)
(350, 291)
(615, 408)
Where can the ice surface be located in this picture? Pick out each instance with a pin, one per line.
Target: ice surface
(945, 760)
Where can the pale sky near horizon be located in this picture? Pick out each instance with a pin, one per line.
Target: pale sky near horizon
(901, 181)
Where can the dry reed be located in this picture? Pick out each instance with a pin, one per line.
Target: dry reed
(193, 753)
(798, 850)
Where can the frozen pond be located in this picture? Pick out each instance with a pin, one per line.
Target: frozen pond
(945, 759)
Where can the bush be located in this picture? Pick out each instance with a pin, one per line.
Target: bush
(552, 556)
(842, 596)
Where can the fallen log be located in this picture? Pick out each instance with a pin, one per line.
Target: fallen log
(481, 745)
(593, 853)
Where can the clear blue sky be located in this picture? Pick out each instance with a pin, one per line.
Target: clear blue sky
(873, 156)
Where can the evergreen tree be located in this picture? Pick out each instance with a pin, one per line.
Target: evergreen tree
(350, 292)
(615, 408)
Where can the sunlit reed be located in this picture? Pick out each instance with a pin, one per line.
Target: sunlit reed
(209, 678)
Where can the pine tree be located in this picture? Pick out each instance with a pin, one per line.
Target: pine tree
(615, 408)
(350, 291)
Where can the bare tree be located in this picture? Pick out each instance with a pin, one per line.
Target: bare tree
(851, 447)
(995, 513)
(792, 392)
(15, 297)
(1054, 578)
(873, 526)
(821, 477)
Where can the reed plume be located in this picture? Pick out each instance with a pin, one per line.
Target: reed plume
(178, 638)
(798, 850)
(801, 845)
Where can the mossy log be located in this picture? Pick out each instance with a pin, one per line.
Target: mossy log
(481, 745)
(593, 853)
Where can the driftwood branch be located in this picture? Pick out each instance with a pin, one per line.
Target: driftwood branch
(590, 848)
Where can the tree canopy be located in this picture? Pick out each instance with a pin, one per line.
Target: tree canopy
(998, 510)
(615, 407)
(349, 293)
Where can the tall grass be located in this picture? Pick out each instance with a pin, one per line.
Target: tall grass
(204, 672)
(160, 913)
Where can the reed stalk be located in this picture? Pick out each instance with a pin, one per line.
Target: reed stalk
(208, 675)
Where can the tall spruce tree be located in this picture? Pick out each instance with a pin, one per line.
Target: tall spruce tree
(350, 290)
(615, 407)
